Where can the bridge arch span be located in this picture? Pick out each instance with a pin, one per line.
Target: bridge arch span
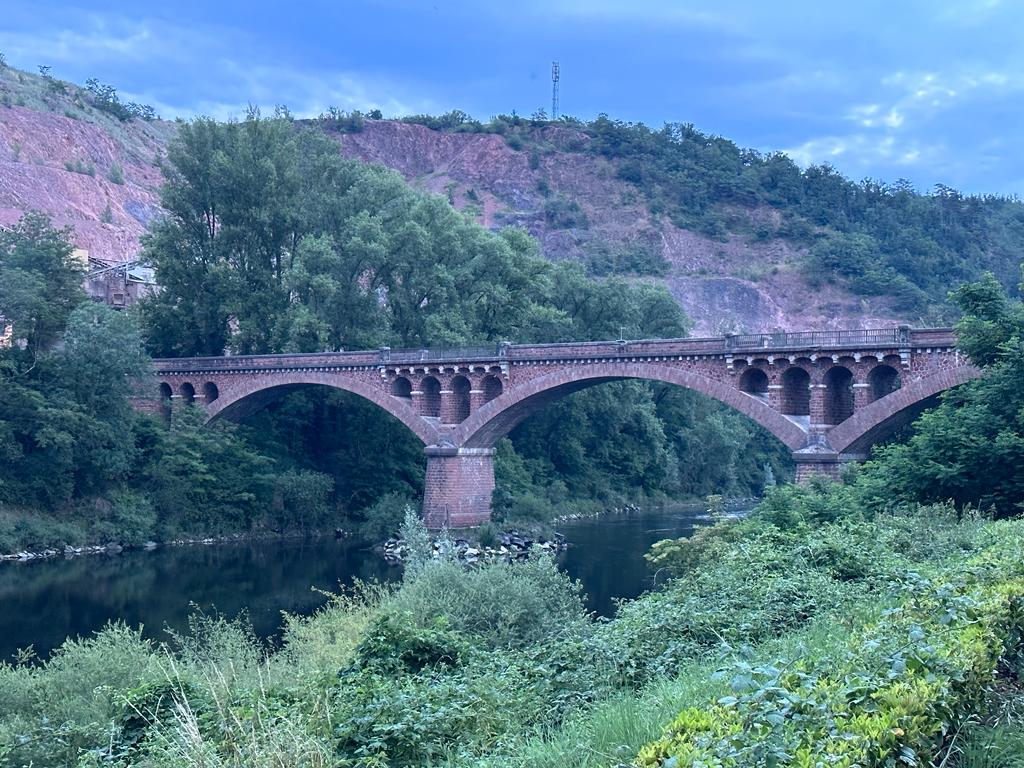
(882, 417)
(498, 417)
(250, 395)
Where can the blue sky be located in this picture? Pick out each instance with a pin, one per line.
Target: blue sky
(928, 90)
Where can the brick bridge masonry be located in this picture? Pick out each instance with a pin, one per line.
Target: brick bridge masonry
(827, 395)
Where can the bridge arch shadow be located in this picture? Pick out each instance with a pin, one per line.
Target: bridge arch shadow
(498, 417)
(247, 398)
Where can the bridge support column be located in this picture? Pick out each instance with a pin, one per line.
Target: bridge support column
(817, 405)
(458, 486)
(448, 407)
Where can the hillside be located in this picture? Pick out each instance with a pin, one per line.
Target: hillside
(738, 248)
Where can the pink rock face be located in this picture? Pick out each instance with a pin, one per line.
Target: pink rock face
(62, 165)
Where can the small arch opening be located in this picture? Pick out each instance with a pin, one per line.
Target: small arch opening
(430, 403)
(492, 388)
(796, 392)
(838, 394)
(210, 392)
(754, 381)
(460, 399)
(883, 380)
(165, 400)
(187, 392)
(402, 387)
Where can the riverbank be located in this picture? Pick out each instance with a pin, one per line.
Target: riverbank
(712, 506)
(70, 552)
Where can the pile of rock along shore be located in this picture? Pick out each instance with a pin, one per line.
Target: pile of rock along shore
(512, 545)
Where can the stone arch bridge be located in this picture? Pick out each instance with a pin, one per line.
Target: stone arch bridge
(827, 395)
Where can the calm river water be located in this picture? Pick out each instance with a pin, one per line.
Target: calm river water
(42, 603)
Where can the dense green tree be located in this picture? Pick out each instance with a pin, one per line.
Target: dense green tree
(40, 280)
(66, 428)
(971, 447)
(233, 216)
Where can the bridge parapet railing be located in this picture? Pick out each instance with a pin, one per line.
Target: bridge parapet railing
(263, 362)
(498, 351)
(853, 339)
(574, 350)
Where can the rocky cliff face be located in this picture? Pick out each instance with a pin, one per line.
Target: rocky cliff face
(62, 156)
(733, 284)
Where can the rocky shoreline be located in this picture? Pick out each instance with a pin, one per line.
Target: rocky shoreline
(512, 544)
(114, 548)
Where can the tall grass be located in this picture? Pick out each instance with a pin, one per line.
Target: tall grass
(993, 747)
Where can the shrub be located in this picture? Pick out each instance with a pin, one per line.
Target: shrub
(84, 167)
(398, 642)
(302, 500)
(130, 519)
(116, 174)
(889, 697)
(104, 97)
(48, 714)
(562, 213)
(500, 604)
(340, 120)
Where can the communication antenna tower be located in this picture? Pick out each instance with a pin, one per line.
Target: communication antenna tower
(554, 90)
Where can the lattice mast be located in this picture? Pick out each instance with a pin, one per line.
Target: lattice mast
(554, 90)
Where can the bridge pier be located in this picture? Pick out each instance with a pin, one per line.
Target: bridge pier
(808, 465)
(826, 464)
(458, 486)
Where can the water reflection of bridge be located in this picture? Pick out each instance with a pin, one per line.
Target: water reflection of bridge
(827, 395)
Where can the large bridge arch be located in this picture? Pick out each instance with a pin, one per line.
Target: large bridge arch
(499, 416)
(883, 417)
(250, 395)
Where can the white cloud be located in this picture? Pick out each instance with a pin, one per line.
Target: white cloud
(198, 56)
(873, 116)
(969, 11)
(864, 150)
(97, 39)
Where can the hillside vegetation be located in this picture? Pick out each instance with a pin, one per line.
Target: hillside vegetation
(743, 240)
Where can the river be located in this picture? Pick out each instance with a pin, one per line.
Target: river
(44, 602)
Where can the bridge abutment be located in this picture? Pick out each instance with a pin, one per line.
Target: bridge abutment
(458, 486)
